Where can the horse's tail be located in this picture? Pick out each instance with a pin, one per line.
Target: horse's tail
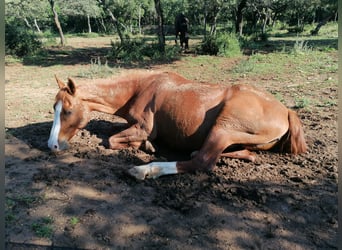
(293, 141)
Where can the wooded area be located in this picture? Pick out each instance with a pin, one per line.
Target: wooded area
(126, 18)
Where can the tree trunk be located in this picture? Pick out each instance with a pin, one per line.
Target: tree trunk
(214, 24)
(139, 20)
(103, 24)
(58, 24)
(205, 24)
(89, 26)
(27, 23)
(205, 19)
(37, 27)
(161, 35)
(213, 27)
(274, 19)
(265, 21)
(116, 23)
(315, 31)
(239, 17)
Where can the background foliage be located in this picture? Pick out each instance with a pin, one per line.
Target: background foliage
(127, 18)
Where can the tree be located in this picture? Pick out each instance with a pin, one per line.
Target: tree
(240, 5)
(160, 21)
(172, 8)
(56, 19)
(112, 7)
(30, 12)
(325, 12)
(82, 8)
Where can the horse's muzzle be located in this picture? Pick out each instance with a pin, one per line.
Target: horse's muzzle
(59, 146)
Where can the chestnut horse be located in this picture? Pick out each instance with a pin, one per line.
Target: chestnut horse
(210, 119)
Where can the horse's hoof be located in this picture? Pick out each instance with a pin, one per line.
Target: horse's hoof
(139, 172)
(148, 147)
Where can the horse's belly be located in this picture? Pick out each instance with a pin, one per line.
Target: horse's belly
(184, 134)
(187, 113)
(180, 141)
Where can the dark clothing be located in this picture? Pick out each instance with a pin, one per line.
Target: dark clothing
(181, 27)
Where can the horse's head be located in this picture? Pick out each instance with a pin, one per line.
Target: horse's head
(70, 116)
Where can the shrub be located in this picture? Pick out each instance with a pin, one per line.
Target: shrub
(263, 37)
(129, 50)
(209, 46)
(133, 50)
(300, 47)
(228, 44)
(222, 44)
(20, 41)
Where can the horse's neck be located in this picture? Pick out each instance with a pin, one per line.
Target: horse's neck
(108, 97)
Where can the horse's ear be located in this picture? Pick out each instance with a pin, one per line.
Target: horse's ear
(60, 83)
(71, 86)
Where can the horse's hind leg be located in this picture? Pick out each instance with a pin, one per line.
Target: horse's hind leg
(244, 154)
(218, 140)
(206, 158)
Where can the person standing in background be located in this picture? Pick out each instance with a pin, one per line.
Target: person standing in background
(182, 30)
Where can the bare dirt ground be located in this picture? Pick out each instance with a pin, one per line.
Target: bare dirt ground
(83, 198)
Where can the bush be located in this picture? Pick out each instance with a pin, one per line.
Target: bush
(134, 50)
(130, 50)
(20, 41)
(209, 46)
(229, 45)
(222, 44)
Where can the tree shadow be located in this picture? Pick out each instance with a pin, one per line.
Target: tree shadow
(66, 56)
(287, 45)
(89, 55)
(36, 135)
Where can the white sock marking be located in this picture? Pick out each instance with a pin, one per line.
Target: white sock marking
(154, 170)
(53, 140)
(165, 168)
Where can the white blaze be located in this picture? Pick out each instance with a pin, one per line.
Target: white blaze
(53, 140)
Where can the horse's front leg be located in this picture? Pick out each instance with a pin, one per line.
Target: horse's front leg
(133, 137)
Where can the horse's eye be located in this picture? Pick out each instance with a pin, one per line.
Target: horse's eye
(67, 112)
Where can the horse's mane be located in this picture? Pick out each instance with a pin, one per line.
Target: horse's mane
(128, 75)
(136, 74)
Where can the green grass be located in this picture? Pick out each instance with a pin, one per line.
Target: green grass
(43, 228)
(329, 30)
(203, 60)
(74, 221)
(10, 59)
(284, 64)
(9, 213)
(208, 68)
(302, 102)
(26, 200)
